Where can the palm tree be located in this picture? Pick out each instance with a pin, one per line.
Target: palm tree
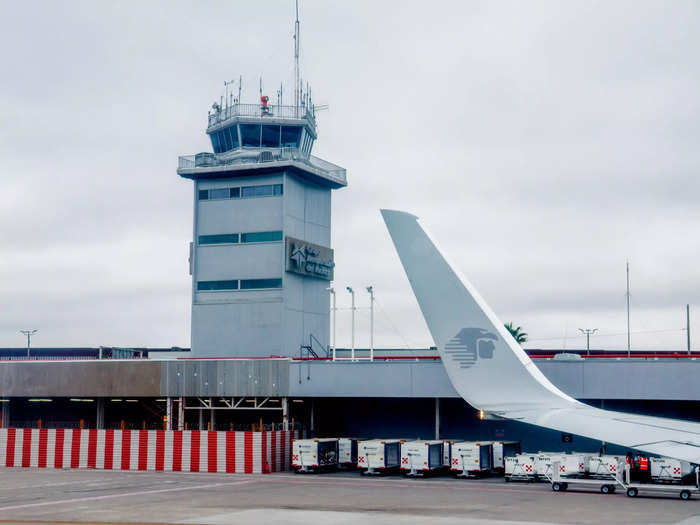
(517, 333)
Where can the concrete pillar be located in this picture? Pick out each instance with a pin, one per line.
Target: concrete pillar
(312, 418)
(437, 418)
(100, 418)
(181, 413)
(201, 419)
(285, 414)
(5, 407)
(212, 417)
(169, 413)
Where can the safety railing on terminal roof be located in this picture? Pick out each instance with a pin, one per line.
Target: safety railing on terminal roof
(259, 111)
(261, 156)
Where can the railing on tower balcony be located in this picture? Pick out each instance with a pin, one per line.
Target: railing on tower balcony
(220, 115)
(262, 156)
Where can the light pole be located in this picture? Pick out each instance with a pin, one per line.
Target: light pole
(29, 334)
(352, 332)
(588, 332)
(370, 289)
(333, 313)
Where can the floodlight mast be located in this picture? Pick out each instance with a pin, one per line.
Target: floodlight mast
(588, 332)
(29, 334)
(334, 309)
(352, 331)
(370, 289)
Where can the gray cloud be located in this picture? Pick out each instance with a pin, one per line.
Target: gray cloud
(543, 143)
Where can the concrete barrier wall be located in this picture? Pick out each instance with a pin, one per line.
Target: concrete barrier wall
(157, 450)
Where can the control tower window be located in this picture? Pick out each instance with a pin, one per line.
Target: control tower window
(290, 136)
(271, 136)
(261, 236)
(250, 135)
(217, 285)
(203, 195)
(251, 284)
(219, 193)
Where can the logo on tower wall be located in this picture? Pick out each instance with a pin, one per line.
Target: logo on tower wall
(309, 259)
(471, 344)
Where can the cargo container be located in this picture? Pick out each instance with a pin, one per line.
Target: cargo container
(501, 449)
(543, 464)
(520, 467)
(347, 452)
(573, 464)
(378, 456)
(472, 458)
(604, 466)
(667, 470)
(419, 458)
(311, 455)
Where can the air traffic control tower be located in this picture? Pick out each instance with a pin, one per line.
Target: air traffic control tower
(261, 258)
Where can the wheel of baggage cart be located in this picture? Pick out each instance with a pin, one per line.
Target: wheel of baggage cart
(685, 494)
(607, 489)
(559, 487)
(506, 479)
(632, 492)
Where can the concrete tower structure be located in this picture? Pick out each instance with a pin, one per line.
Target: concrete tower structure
(261, 257)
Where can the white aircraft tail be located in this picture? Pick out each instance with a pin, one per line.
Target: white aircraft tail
(485, 364)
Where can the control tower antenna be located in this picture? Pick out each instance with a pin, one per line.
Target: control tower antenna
(240, 86)
(297, 87)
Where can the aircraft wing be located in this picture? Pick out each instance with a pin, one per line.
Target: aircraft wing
(490, 370)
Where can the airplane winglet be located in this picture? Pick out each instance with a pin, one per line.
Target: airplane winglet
(484, 363)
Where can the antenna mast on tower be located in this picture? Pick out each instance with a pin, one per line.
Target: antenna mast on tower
(296, 61)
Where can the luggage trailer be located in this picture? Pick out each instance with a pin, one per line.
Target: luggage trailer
(313, 455)
(520, 467)
(378, 456)
(621, 478)
(419, 458)
(471, 459)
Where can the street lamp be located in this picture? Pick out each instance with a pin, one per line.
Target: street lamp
(352, 332)
(29, 334)
(370, 290)
(333, 313)
(588, 332)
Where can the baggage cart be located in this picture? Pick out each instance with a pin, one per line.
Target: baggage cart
(520, 467)
(622, 480)
(347, 452)
(604, 466)
(543, 464)
(667, 470)
(472, 459)
(419, 458)
(314, 455)
(378, 456)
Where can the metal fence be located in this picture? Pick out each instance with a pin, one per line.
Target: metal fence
(262, 156)
(259, 111)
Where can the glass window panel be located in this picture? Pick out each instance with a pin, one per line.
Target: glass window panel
(250, 135)
(217, 285)
(215, 142)
(235, 193)
(233, 130)
(224, 238)
(203, 195)
(277, 189)
(219, 193)
(290, 136)
(271, 136)
(256, 191)
(251, 284)
(261, 236)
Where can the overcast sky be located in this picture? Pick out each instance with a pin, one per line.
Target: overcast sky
(542, 143)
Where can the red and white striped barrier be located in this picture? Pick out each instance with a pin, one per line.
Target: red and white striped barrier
(170, 450)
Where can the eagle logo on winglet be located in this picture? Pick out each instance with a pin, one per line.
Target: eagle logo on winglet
(471, 344)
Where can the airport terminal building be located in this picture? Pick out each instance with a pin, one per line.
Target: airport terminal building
(261, 264)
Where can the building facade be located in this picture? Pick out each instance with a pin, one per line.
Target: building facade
(261, 258)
